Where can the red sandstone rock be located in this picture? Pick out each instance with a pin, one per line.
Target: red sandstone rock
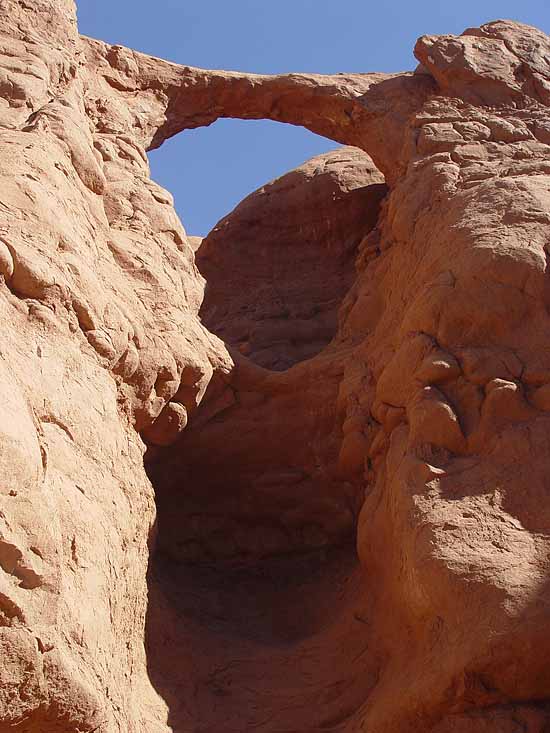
(427, 414)
(278, 267)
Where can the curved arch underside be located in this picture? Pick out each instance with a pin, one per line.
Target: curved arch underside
(369, 111)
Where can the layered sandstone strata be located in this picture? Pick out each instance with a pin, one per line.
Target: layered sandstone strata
(415, 428)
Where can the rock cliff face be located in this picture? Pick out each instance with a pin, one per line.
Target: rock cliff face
(310, 493)
(278, 267)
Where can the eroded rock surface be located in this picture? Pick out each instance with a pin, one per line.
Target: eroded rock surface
(278, 267)
(419, 434)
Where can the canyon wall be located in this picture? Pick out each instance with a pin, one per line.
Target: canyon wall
(295, 480)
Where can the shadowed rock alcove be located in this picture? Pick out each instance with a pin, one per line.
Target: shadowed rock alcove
(255, 573)
(235, 486)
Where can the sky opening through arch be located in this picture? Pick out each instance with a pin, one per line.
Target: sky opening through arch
(210, 170)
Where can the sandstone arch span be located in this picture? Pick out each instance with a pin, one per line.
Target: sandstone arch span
(369, 111)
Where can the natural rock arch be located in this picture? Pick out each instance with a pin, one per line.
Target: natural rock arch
(429, 414)
(369, 111)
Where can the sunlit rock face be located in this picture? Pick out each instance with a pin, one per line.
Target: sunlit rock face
(302, 485)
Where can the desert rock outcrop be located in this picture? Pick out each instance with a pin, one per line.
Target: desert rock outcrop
(278, 267)
(414, 430)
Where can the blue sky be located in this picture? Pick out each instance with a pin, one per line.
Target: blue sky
(211, 169)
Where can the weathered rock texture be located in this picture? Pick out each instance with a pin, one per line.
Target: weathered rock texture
(278, 267)
(419, 435)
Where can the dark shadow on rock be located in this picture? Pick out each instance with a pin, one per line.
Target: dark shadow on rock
(282, 645)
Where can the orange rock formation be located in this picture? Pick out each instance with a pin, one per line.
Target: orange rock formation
(346, 427)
